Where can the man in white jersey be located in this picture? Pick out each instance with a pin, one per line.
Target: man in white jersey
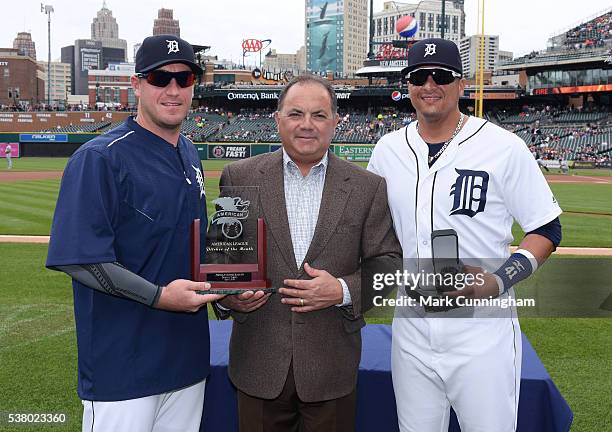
(8, 150)
(450, 171)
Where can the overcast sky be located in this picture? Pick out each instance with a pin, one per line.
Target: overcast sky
(522, 25)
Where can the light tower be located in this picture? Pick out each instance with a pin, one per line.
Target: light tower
(47, 9)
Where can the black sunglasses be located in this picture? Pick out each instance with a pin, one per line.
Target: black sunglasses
(161, 78)
(440, 76)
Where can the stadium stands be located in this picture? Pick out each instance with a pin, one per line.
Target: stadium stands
(81, 128)
(551, 132)
(200, 127)
(110, 126)
(251, 127)
(591, 33)
(522, 118)
(580, 117)
(591, 39)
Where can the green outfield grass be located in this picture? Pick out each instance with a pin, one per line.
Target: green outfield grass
(37, 343)
(37, 164)
(584, 172)
(214, 165)
(58, 164)
(581, 229)
(27, 208)
(576, 352)
(38, 347)
(579, 197)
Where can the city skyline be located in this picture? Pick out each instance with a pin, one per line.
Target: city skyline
(523, 28)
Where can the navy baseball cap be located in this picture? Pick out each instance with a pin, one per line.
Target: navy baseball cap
(160, 50)
(434, 52)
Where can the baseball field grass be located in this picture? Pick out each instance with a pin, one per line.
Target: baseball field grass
(37, 164)
(27, 208)
(38, 346)
(587, 217)
(58, 164)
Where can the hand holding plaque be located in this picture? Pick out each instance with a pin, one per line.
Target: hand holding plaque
(235, 244)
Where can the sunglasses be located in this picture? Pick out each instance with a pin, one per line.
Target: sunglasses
(161, 78)
(440, 76)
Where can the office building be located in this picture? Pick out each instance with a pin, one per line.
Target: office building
(166, 24)
(111, 87)
(105, 29)
(60, 81)
(274, 61)
(469, 48)
(428, 14)
(24, 43)
(21, 84)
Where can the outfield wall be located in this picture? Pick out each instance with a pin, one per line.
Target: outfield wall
(41, 144)
(37, 121)
(64, 144)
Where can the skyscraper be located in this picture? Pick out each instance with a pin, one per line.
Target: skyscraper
(166, 24)
(60, 81)
(105, 29)
(86, 54)
(469, 47)
(336, 35)
(24, 43)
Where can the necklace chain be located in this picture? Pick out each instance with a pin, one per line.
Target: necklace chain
(457, 129)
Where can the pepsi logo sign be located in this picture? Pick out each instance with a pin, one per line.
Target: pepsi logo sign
(396, 96)
(406, 26)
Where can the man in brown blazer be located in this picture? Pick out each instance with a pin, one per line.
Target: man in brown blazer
(294, 355)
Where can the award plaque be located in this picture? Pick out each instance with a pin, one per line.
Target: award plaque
(234, 245)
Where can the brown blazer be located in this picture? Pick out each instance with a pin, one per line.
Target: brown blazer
(354, 231)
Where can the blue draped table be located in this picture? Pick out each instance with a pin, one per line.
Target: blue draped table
(541, 406)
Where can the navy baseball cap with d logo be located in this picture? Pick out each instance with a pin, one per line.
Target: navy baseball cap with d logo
(160, 50)
(434, 52)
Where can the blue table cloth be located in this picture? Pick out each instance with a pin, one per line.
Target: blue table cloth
(541, 406)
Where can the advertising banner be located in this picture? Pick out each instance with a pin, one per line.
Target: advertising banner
(354, 152)
(43, 137)
(323, 25)
(229, 151)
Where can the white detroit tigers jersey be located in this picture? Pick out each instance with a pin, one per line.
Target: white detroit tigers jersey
(484, 179)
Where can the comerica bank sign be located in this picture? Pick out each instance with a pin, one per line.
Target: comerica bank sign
(268, 95)
(253, 95)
